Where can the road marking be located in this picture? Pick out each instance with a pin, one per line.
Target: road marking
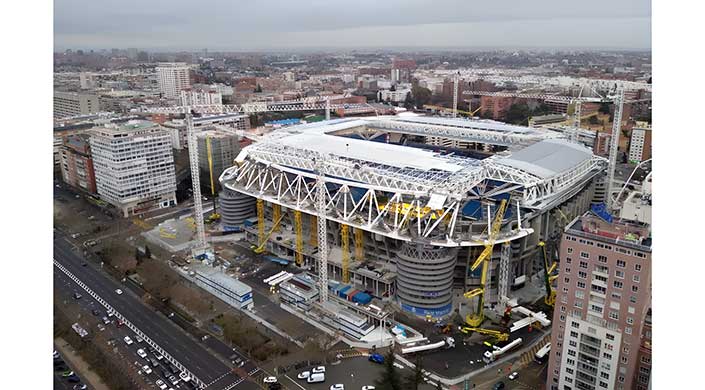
(292, 381)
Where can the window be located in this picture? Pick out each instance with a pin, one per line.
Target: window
(569, 371)
(596, 309)
(614, 305)
(619, 274)
(646, 359)
(562, 309)
(603, 384)
(618, 284)
(562, 318)
(584, 255)
(632, 299)
(578, 304)
(616, 295)
(573, 343)
(581, 284)
(602, 259)
(579, 294)
(614, 315)
(621, 263)
(575, 324)
(570, 250)
(568, 260)
(583, 264)
(636, 278)
(567, 270)
(598, 289)
(571, 352)
(606, 356)
(625, 350)
(600, 278)
(571, 362)
(621, 379)
(609, 336)
(566, 280)
(624, 359)
(630, 320)
(603, 269)
(630, 309)
(637, 267)
(582, 275)
(573, 334)
(604, 375)
(627, 330)
(609, 347)
(635, 288)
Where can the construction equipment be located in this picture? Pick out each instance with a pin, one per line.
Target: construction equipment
(166, 234)
(299, 238)
(475, 320)
(260, 221)
(276, 213)
(550, 298)
(345, 247)
(497, 334)
(263, 243)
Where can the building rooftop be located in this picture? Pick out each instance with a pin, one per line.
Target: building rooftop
(627, 233)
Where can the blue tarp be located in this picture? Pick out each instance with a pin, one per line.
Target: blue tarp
(601, 211)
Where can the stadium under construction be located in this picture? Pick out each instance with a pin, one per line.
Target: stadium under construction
(408, 204)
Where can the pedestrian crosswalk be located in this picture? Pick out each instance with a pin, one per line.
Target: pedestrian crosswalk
(528, 356)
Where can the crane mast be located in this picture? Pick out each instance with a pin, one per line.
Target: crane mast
(614, 143)
(195, 182)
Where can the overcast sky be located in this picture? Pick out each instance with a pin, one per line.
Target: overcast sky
(301, 24)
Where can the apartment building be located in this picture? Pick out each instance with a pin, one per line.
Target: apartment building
(640, 142)
(603, 297)
(192, 97)
(77, 163)
(172, 79)
(134, 166)
(68, 104)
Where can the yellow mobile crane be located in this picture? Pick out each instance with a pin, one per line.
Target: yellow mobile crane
(550, 298)
(475, 320)
(497, 334)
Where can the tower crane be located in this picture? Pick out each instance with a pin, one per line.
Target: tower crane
(475, 320)
(550, 298)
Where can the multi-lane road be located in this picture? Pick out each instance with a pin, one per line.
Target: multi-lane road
(185, 349)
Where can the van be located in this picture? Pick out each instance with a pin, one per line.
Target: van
(316, 378)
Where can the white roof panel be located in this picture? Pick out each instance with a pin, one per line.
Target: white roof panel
(548, 158)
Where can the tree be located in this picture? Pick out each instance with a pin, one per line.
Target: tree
(413, 380)
(390, 379)
(421, 95)
(518, 114)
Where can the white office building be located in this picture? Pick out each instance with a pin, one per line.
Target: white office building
(172, 79)
(193, 97)
(396, 96)
(68, 104)
(640, 143)
(134, 166)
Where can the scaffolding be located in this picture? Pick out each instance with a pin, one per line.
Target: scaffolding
(313, 241)
(344, 231)
(359, 245)
(299, 238)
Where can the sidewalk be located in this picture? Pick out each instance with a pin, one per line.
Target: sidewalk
(89, 377)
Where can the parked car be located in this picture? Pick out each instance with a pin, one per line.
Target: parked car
(118, 292)
(174, 380)
(128, 340)
(141, 353)
(80, 386)
(106, 320)
(318, 370)
(67, 373)
(376, 358)
(184, 376)
(160, 383)
(498, 386)
(74, 379)
(369, 387)
(513, 375)
(95, 312)
(270, 379)
(146, 369)
(77, 295)
(337, 386)
(316, 378)
(304, 375)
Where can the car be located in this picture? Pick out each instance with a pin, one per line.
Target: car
(84, 264)
(376, 358)
(498, 386)
(318, 370)
(304, 375)
(128, 340)
(146, 369)
(141, 353)
(270, 379)
(118, 292)
(153, 362)
(184, 376)
(106, 320)
(77, 295)
(78, 196)
(95, 312)
(158, 356)
(67, 373)
(316, 378)
(119, 323)
(111, 313)
(101, 327)
(74, 379)
(173, 369)
(337, 386)
(80, 386)
(275, 386)
(513, 375)
(173, 379)
(56, 355)
(160, 383)
(368, 387)
(138, 339)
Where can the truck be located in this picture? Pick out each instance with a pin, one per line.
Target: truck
(489, 357)
(542, 353)
(448, 342)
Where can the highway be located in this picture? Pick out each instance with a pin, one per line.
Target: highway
(208, 368)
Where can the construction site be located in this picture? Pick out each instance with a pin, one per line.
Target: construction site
(434, 235)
